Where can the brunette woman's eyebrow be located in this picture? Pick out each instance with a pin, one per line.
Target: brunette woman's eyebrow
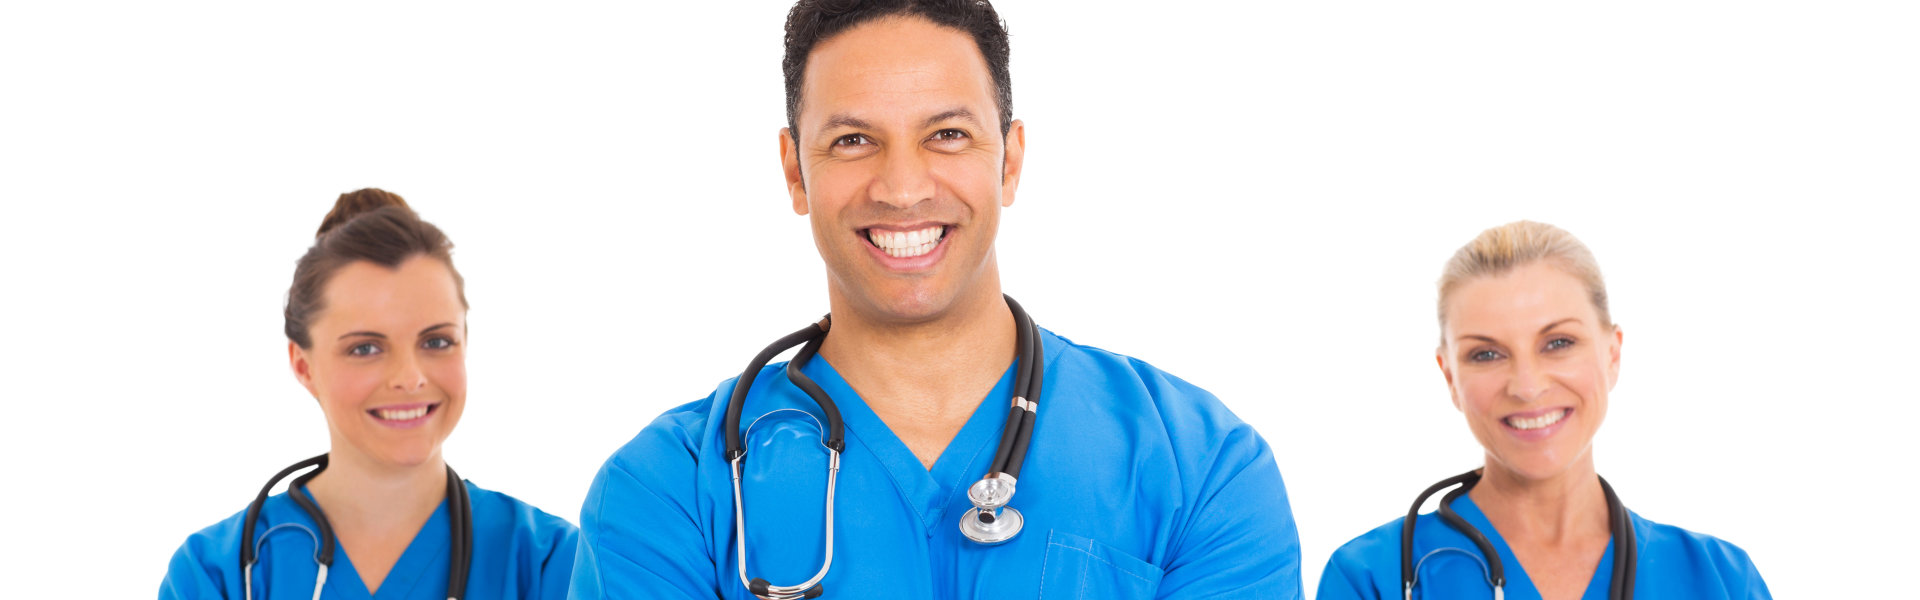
(372, 334)
(430, 329)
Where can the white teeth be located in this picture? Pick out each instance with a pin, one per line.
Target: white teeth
(1538, 422)
(402, 415)
(905, 244)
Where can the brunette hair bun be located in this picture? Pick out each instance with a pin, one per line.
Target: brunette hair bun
(352, 204)
(371, 225)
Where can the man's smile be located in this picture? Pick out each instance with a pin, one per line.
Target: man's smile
(907, 243)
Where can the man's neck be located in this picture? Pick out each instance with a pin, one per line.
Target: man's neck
(925, 379)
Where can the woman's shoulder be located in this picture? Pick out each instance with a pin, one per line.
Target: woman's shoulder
(1365, 565)
(1672, 543)
(208, 561)
(1380, 545)
(499, 510)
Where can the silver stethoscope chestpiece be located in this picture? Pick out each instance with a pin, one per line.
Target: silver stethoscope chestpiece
(989, 528)
(990, 522)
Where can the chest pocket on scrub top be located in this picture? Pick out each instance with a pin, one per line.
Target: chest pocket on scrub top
(1078, 567)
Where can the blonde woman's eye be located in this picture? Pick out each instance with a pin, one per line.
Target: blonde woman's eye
(1558, 343)
(1483, 356)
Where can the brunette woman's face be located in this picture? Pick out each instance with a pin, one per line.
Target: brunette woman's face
(388, 362)
(1530, 365)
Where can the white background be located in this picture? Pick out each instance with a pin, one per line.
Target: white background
(1257, 198)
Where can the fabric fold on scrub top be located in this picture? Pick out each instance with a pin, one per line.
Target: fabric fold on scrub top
(1136, 485)
(1674, 563)
(518, 552)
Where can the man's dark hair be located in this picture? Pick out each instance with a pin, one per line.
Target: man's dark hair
(813, 21)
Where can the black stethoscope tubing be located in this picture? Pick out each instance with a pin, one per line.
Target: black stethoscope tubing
(1015, 436)
(459, 523)
(1625, 548)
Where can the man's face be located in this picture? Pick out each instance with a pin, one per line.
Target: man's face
(901, 167)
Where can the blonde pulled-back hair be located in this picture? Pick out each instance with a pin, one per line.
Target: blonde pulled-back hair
(1501, 249)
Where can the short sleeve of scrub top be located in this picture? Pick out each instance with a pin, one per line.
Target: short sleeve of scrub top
(1673, 564)
(1136, 485)
(518, 552)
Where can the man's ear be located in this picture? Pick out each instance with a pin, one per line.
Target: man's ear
(1016, 157)
(302, 368)
(790, 165)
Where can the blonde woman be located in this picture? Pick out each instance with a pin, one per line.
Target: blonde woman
(1529, 353)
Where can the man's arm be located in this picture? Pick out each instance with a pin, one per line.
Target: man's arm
(1241, 542)
(639, 528)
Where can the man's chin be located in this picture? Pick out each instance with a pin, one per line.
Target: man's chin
(906, 305)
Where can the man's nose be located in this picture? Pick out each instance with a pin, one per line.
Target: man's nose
(905, 178)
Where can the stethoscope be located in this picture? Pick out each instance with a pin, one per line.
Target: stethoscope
(460, 522)
(1625, 550)
(989, 522)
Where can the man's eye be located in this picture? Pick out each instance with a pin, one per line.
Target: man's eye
(367, 349)
(438, 343)
(949, 134)
(851, 140)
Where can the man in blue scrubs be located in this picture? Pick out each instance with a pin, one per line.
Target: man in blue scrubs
(901, 151)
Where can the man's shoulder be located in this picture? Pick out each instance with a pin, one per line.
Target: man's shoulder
(1120, 368)
(1112, 380)
(678, 432)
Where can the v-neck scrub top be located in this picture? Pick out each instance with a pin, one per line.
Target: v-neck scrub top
(1136, 485)
(518, 552)
(1673, 563)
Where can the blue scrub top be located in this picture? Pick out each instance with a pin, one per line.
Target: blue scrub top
(1673, 563)
(1136, 485)
(518, 552)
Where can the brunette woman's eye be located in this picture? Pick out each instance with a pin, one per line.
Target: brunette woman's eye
(366, 349)
(438, 343)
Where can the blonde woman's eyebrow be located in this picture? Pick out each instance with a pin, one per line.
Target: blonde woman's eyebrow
(1558, 323)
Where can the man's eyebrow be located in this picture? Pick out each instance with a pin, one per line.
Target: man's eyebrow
(845, 120)
(952, 113)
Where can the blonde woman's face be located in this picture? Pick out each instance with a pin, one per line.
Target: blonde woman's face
(388, 362)
(1529, 365)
